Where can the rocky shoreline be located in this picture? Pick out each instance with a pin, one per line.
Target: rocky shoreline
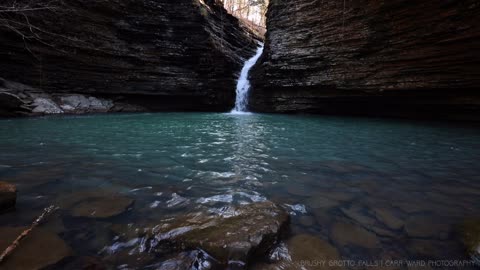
(17, 99)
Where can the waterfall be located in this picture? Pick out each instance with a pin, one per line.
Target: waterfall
(243, 84)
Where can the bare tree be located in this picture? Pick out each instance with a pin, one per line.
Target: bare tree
(16, 16)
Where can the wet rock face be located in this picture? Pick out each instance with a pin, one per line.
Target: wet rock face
(8, 196)
(234, 234)
(162, 55)
(370, 57)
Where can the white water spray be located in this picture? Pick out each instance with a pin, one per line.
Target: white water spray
(243, 84)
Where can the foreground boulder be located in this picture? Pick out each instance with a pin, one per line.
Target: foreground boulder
(8, 196)
(38, 250)
(237, 233)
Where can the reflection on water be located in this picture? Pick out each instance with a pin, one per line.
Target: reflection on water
(375, 189)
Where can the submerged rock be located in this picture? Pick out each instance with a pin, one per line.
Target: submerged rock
(95, 204)
(298, 190)
(318, 202)
(359, 215)
(420, 226)
(312, 252)
(339, 196)
(387, 217)
(38, 250)
(234, 234)
(8, 196)
(438, 249)
(344, 234)
(102, 207)
(471, 238)
(37, 176)
(307, 221)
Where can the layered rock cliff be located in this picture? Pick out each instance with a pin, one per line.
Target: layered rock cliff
(375, 57)
(157, 55)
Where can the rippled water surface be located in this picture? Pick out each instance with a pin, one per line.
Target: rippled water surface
(410, 184)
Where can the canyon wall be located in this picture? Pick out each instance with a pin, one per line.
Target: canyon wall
(374, 57)
(159, 55)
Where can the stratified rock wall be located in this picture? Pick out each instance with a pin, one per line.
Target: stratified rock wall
(162, 54)
(370, 56)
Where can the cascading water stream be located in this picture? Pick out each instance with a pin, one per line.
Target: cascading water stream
(243, 83)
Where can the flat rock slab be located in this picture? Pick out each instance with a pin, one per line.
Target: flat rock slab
(8, 196)
(237, 233)
(38, 250)
(95, 204)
